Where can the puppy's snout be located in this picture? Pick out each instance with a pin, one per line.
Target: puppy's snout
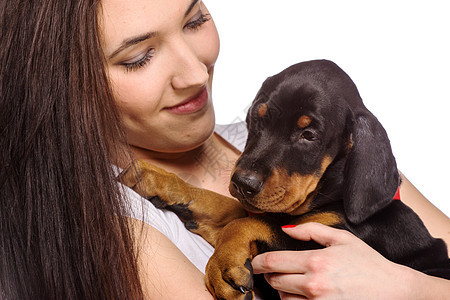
(246, 184)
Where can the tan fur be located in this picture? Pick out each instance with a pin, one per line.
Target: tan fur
(262, 110)
(287, 193)
(349, 145)
(325, 218)
(303, 121)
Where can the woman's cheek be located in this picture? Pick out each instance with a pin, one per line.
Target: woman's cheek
(134, 93)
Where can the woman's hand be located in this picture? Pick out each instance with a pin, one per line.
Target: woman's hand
(347, 269)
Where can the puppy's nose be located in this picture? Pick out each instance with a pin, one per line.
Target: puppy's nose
(246, 183)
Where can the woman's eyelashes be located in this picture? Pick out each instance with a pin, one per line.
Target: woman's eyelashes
(198, 20)
(140, 61)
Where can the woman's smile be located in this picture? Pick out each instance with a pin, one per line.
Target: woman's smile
(192, 104)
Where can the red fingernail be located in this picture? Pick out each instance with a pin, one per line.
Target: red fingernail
(288, 226)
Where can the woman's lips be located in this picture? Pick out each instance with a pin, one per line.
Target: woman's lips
(192, 104)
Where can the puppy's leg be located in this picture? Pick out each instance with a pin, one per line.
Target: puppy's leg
(204, 212)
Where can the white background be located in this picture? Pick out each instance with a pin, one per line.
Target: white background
(397, 52)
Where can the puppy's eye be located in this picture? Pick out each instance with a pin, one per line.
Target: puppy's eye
(308, 135)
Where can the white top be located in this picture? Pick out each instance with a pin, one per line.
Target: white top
(194, 247)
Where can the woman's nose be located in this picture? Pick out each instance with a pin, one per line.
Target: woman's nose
(189, 70)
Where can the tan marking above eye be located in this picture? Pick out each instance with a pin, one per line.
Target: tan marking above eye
(303, 121)
(262, 110)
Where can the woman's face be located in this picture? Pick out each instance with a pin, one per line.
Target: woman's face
(160, 58)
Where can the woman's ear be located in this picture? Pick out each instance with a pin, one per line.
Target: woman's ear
(371, 175)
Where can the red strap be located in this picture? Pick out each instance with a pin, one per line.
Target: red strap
(397, 194)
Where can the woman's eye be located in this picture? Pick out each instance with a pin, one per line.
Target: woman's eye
(198, 20)
(139, 62)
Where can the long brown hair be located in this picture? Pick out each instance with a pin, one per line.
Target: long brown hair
(60, 234)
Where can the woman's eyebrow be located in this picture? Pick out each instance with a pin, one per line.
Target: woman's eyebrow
(191, 6)
(133, 41)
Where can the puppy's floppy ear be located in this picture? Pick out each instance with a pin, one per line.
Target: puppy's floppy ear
(371, 175)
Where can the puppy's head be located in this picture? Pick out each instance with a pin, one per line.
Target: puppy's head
(301, 121)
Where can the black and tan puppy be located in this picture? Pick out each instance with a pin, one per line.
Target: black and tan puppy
(314, 154)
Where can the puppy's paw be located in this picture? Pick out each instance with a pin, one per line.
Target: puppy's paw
(229, 279)
(142, 177)
(150, 181)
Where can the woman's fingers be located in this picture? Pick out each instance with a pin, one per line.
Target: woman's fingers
(286, 283)
(300, 261)
(296, 274)
(280, 262)
(322, 234)
(303, 286)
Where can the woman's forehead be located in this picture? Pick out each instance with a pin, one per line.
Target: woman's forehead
(121, 19)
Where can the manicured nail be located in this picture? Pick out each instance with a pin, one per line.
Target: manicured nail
(288, 226)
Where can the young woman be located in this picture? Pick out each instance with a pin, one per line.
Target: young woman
(85, 86)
